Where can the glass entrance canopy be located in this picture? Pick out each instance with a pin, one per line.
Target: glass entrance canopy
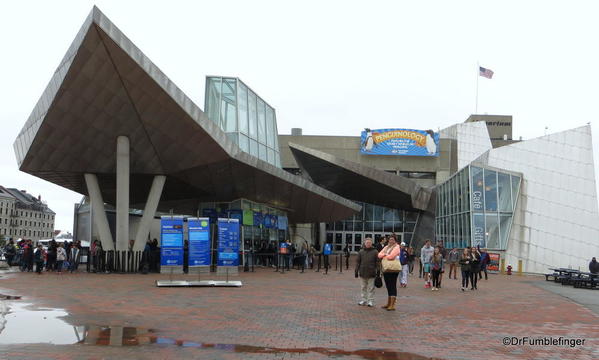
(475, 207)
(247, 119)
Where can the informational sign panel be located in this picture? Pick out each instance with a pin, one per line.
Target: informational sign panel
(493, 265)
(199, 241)
(328, 248)
(228, 242)
(171, 241)
(399, 142)
(282, 222)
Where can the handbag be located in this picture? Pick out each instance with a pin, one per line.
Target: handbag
(391, 265)
(378, 282)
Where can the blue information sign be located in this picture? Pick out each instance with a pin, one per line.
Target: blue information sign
(328, 248)
(171, 241)
(199, 241)
(399, 142)
(228, 242)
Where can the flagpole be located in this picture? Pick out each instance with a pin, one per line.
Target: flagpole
(477, 76)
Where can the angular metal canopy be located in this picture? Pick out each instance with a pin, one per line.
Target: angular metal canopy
(106, 87)
(359, 182)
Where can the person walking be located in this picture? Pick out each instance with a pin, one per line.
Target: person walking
(390, 253)
(426, 254)
(39, 259)
(464, 261)
(484, 262)
(74, 252)
(10, 251)
(405, 267)
(474, 268)
(436, 267)
(61, 256)
(366, 267)
(411, 258)
(453, 258)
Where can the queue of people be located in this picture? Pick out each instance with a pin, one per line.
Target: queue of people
(56, 257)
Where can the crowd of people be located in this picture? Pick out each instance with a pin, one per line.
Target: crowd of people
(56, 257)
(391, 261)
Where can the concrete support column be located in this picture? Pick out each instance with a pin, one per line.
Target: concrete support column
(122, 193)
(322, 236)
(149, 211)
(98, 212)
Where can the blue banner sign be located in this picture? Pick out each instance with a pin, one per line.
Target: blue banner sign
(199, 241)
(328, 249)
(270, 221)
(399, 142)
(228, 242)
(171, 241)
(257, 218)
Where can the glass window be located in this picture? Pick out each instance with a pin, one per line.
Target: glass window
(504, 190)
(228, 112)
(349, 226)
(490, 190)
(407, 238)
(477, 189)
(505, 224)
(409, 227)
(492, 231)
(515, 190)
(244, 143)
(242, 106)
(411, 216)
(262, 152)
(388, 226)
(358, 226)
(378, 226)
(478, 230)
(368, 226)
(261, 122)
(271, 156)
(254, 147)
(339, 226)
(357, 242)
(378, 212)
(213, 99)
(368, 212)
(270, 127)
(253, 123)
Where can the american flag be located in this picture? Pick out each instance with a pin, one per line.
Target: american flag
(488, 73)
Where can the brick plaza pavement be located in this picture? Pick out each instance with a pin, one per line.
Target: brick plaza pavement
(307, 316)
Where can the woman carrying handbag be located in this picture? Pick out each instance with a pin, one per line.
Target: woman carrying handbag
(391, 267)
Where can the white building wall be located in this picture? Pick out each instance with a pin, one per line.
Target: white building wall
(472, 140)
(556, 223)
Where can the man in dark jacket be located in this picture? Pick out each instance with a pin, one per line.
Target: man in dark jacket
(366, 267)
(594, 266)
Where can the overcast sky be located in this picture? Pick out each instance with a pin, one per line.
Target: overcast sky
(329, 67)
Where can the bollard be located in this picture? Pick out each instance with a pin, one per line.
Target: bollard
(340, 263)
(336, 259)
(502, 261)
(319, 262)
(520, 267)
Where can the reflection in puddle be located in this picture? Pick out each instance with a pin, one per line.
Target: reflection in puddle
(27, 326)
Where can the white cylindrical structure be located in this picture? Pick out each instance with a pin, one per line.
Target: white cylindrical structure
(98, 212)
(149, 211)
(122, 193)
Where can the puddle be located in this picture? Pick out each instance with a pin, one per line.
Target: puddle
(26, 325)
(9, 297)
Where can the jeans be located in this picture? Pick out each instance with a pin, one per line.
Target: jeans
(473, 279)
(405, 270)
(367, 289)
(391, 282)
(465, 277)
(436, 274)
(59, 265)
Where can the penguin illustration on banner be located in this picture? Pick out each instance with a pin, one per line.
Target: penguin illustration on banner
(431, 146)
(368, 143)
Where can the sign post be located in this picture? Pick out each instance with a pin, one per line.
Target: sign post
(228, 250)
(199, 245)
(171, 245)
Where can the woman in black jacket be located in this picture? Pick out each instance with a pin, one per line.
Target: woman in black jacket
(474, 268)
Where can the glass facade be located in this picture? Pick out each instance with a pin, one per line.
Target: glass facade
(475, 207)
(373, 221)
(247, 119)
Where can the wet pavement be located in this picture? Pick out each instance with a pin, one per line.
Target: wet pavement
(280, 316)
